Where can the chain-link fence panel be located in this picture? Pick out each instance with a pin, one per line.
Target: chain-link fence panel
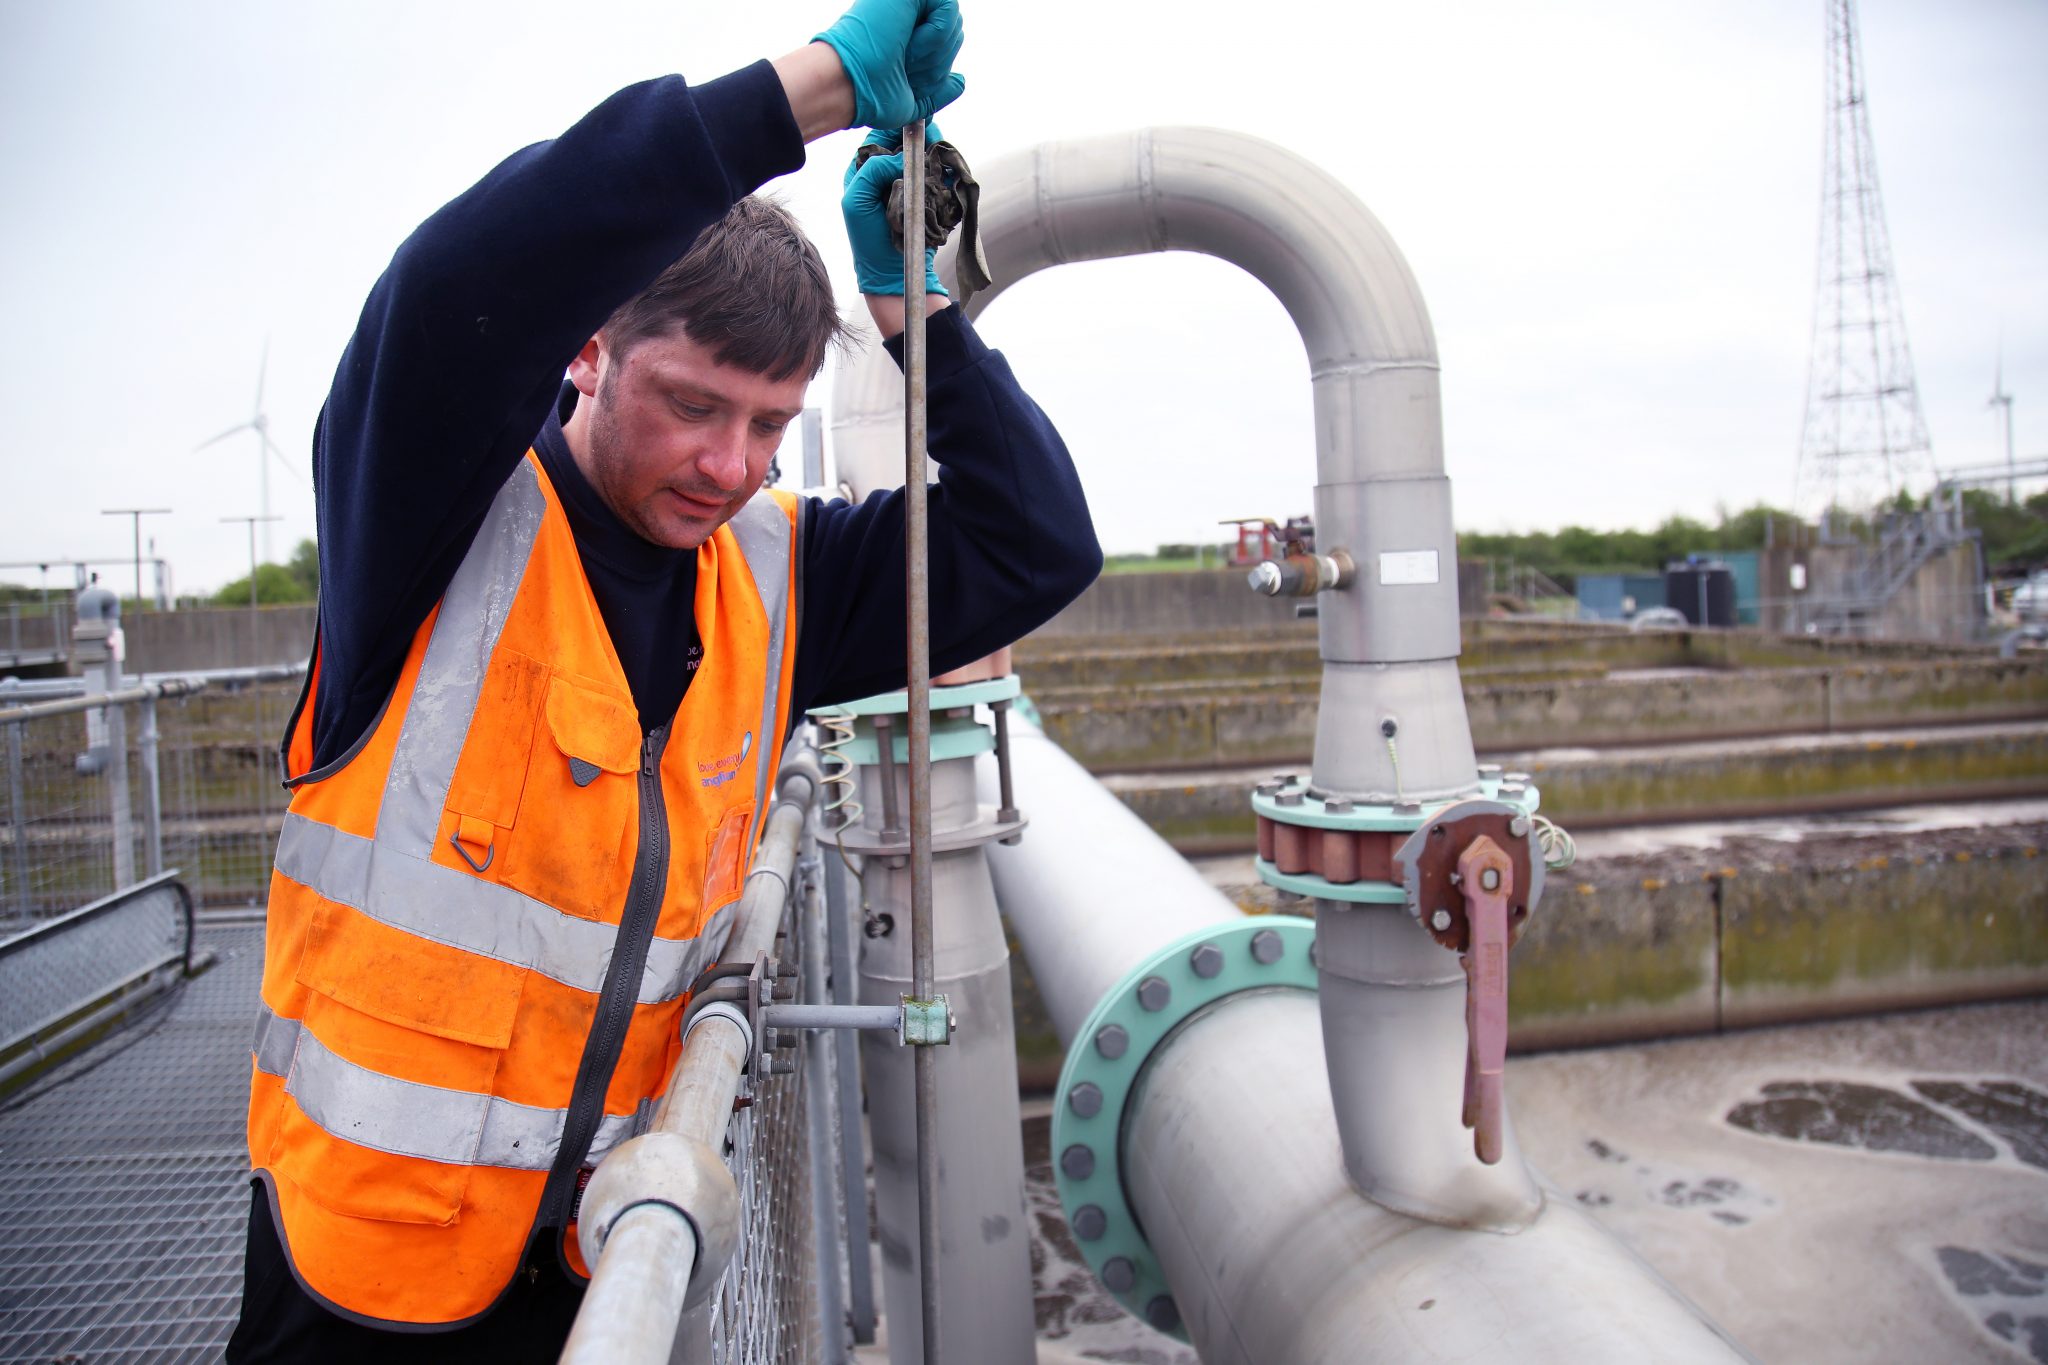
(223, 792)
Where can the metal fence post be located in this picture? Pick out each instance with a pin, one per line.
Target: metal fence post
(819, 1050)
(152, 793)
(845, 988)
(16, 802)
(123, 809)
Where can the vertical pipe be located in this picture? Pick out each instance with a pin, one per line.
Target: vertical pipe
(860, 1283)
(920, 671)
(818, 1049)
(152, 792)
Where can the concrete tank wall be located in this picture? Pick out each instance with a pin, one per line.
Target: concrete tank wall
(218, 637)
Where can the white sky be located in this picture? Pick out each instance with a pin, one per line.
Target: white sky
(1611, 208)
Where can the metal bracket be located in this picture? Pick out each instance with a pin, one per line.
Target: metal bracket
(926, 1023)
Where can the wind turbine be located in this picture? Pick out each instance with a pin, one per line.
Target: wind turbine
(2001, 399)
(260, 424)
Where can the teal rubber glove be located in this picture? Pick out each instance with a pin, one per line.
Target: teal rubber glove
(899, 56)
(877, 259)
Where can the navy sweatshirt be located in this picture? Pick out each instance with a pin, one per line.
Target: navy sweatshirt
(456, 367)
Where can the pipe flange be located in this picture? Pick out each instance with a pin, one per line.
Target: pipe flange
(1330, 848)
(665, 1168)
(1103, 1066)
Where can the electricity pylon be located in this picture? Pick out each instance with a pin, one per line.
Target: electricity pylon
(1864, 438)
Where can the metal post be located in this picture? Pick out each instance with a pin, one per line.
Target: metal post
(16, 810)
(14, 628)
(918, 610)
(818, 1051)
(152, 792)
(122, 806)
(852, 1157)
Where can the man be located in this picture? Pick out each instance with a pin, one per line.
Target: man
(561, 643)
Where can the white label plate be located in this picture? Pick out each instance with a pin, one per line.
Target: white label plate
(1402, 567)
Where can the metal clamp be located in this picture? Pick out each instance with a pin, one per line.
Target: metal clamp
(668, 1169)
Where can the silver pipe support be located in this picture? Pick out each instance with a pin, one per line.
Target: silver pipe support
(696, 1108)
(1087, 853)
(981, 1270)
(917, 580)
(819, 1054)
(840, 909)
(833, 1017)
(1232, 1160)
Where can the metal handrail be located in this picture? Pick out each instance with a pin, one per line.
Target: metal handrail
(640, 1280)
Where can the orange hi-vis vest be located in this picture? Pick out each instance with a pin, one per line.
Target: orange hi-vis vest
(485, 918)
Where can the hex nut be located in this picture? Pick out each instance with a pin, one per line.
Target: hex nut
(1267, 947)
(1206, 961)
(1519, 827)
(1085, 1100)
(1078, 1161)
(1163, 1313)
(1089, 1223)
(1119, 1275)
(1290, 797)
(1489, 770)
(1154, 993)
(1111, 1041)
(1518, 777)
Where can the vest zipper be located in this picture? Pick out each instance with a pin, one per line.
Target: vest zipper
(620, 992)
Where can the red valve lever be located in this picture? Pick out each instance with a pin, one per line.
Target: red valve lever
(1486, 878)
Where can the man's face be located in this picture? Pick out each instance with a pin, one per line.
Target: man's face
(674, 442)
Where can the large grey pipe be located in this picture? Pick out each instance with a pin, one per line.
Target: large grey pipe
(1231, 1154)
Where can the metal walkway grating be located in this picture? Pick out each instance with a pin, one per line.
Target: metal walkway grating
(124, 1182)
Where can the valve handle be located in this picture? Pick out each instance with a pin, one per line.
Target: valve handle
(1486, 880)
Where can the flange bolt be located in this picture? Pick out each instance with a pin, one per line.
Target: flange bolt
(1089, 1223)
(1207, 961)
(1154, 993)
(1519, 826)
(1085, 1100)
(1078, 1161)
(1267, 946)
(1119, 1275)
(1163, 1313)
(1440, 921)
(1111, 1041)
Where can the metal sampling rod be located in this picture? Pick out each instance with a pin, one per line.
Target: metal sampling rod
(918, 612)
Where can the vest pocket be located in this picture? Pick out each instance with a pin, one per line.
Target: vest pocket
(392, 1079)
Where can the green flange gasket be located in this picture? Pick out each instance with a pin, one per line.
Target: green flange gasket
(1096, 1082)
(1311, 813)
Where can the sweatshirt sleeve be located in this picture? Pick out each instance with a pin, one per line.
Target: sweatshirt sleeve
(461, 347)
(1010, 537)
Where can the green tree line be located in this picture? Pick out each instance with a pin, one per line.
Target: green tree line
(295, 580)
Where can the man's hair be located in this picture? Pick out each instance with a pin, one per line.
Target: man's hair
(751, 288)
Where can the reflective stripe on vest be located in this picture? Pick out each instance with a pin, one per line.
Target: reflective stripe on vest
(407, 1118)
(392, 879)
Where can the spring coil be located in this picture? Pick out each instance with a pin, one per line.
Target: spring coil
(842, 774)
(1559, 850)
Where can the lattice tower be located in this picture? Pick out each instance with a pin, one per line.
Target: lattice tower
(1864, 438)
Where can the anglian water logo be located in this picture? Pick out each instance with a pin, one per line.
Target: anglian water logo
(720, 771)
